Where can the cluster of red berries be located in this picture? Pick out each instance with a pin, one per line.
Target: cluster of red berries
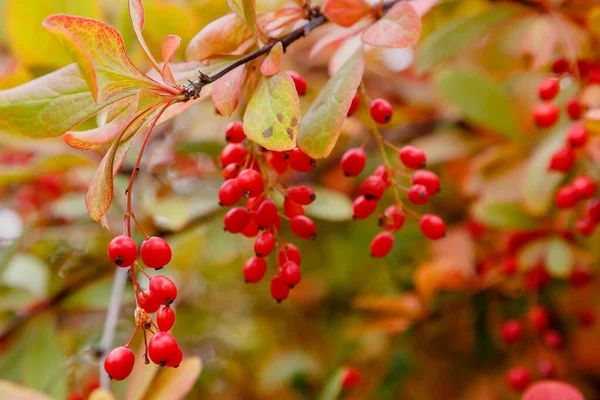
(424, 184)
(162, 348)
(248, 176)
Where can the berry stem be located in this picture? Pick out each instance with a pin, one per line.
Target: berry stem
(146, 237)
(132, 336)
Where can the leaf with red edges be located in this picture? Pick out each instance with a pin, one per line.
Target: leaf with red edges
(225, 91)
(226, 35)
(136, 14)
(400, 27)
(245, 9)
(552, 390)
(346, 12)
(169, 48)
(337, 36)
(100, 52)
(272, 63)
(271, 21)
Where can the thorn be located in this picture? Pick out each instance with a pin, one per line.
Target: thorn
(137, 169)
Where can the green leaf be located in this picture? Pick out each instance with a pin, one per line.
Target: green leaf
(481, 99)
(245, 9)
(28, 272)
(272, 117)
(559, 258)
(502, 215)
(333, 387)
(320, 128)
(455, 36)
(330, 206)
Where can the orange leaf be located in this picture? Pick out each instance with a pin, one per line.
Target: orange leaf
(225, 91)
(226, 35)
(136, 14)
(175, 383)
(278, 19)
(169, 48)
(400, 27)
(270, 66)
(389, 325)
(346, 12)
(99, 50)
(433, 277)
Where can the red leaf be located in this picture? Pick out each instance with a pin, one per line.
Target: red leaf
(169, 48)
(400, 27)
(136, 14)
(225, 91)
(271, 64)
(552, 390)
(226, 35)
(346, 12)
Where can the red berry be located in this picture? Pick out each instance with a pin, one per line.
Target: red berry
(155, 252)
(234, 133)
(562, 160)
(175, 361)
(412, 157)
(549, 88)
(381, 111)
(266, 214)
(122, 251)
(566, 197)
(231, 171)
(432, 226)
(279, 288)
(536, 279)
(373, 187)
(547, 369)
(292, 209)
(577, 136)
(381, 244)
(289, 252)
(303, 227)
(165, 318)
(585, 225)
(230, 193)
(417, 194)
(264, 244)
(278, 162)
(384, 173)
(353, 161)
(509, 266)
(251, 183)
(300, 161)
(147, 302)
(290, 272)
(351, 379)
(580, 277)
(392, 219)
(574, 109)
(118, 364)
(539, 318)
(163, 289)
(162, 348)
(299, 82)
(363, 208)
(553, 339)
(254, 269)
(427, 179)
(593, 209)
(518, 378)
(302, 195)
(354, 105)
(584, 187)
(587, 318)
(512, 331)
(236, 219)
(545, 114)
(233, 153)
(251, 230)
(560, 66)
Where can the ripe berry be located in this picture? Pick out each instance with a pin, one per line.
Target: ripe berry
(574, 109)
(381, 111)
(417, 194)
(266, 214)
(580, 277)
(412, 157)
(353, 161)
(536, 279)
(300, 161)
(302, 195)
(175, 361)
(118, 364)
(384, 173)
(254, 269)
(278, 162)
(427, 179)
(584, 187)
(147, 302)
(509, 266)
(545, 114)
(539, 319)
(230, 193)
(303, 227)
(363, 208)
(279, 288)
(560, 66)
(163, 289)
(122, 251)
(547, 369)
(292, 209)
(231, 171)
(549, 88)
(351, 379)
(566, 197)
(392, 219)
(251, 183)
(165, 318)
(264, 244)
(251, 230)
(585, 225)
(155, 252)
(553, 339)
(290, 272)
(354, 105)
(518, 378)
(593, 209)
(236, 219)
(372, 188)
(381, 244)
(289, 252)
(233, 153)
(162, 348)
(577, 136)
(432, 226)
(299, 82)
(234, 133)
(562, 160)
(512, 331)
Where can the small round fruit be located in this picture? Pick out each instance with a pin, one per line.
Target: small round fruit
(163, 289)
(264, 244)
(299, 82)
(553, 339)
(266, 215)
(363, 208)
(566, 197)
(233, 153)
(236, 219)
(574, 109)
(373, 188)
(354, 105)
(428, 179)
(291, 273)
(382, 244)
(289, 252)
(512, 331)
(432, 226)
(255, 269)
(549, 88)
(292, 209)
(353, 161)
(118, 364)
(147, 302)
(234, 133)
(577, 136)
(539, 318)
(280, 290)
(303, 227)
(352, 378)
(122, 251)
(162, 348)
(230, 193)
(562, 160)
(165, 318)
(381, 111)
(300, 161)
(518, 378)
(251, 182)
(412, 157)
(546, 114)
(155, 252)
(392, 219)
(417, 194)
(303, 195)
(175, 361)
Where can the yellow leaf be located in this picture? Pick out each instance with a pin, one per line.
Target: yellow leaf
(175, 383)
(12, 391)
